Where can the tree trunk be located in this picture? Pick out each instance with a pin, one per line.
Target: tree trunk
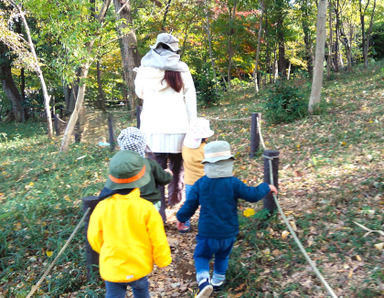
(81, 92)
(317, 81)
(38, 71)
(129, 52)
(100, 103)
(255, 71)
(330, 44)
(368, 35)
(307, 37)
(9, 86)
(232, 17)
(363, 37)
(347, 46)
(209, 36)
(75, 114)
(282, 62)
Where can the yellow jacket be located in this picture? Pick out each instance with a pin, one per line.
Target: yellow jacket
(128, 233)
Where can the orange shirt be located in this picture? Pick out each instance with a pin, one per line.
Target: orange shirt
(193, 168)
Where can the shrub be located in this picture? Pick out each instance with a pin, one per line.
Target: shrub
(208, 89)
(285, 102)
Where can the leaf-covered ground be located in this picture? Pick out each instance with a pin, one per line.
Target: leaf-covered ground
(330, 178)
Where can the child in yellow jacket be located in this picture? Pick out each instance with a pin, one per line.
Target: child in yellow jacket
(127, 230)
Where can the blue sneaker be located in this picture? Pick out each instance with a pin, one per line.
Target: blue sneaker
(205, 289)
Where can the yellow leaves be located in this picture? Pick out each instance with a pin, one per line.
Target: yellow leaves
(379, 246)
(30, 185)
(284, 235)
(49, 253)
(343, 143)
(298, 146)
(249, 212)
(358, 258)
(18, 226)
(67, 198)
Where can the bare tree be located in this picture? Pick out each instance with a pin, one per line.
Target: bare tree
(82, 86)
(317, 80)
(128, 48)
(9, 86)
(36, 67)
(255, 72)
(366, 35)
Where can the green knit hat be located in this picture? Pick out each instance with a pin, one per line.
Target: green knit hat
(127, 170)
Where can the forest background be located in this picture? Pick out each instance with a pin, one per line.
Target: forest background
(90, 48)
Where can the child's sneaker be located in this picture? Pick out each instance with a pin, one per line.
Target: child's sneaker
(184, 227)
(205, 289)
(217, 287)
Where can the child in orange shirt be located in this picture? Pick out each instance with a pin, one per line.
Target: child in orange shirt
(193, 155)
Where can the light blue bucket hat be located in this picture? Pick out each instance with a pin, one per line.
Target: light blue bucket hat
(216, 151)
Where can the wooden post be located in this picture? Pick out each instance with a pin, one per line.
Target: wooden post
(273, 155)
(255, 137)
(138, 112)
(92, 257)
(111, 133)
(56, 124)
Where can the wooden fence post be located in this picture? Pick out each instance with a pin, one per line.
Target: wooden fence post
(111, 133)
(138, 112)
(272, 155)
(92, 257)
(255, 137)
(56, 124)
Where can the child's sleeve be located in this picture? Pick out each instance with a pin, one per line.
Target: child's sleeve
(161, 251)
(95, 232)
(190, 206)
(250, 193)
(161, 177)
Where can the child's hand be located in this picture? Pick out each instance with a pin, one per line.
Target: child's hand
(273, 189)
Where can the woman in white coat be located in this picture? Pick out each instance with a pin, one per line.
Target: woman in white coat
(166, 87)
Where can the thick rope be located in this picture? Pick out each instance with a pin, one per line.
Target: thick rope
(260, 135)
(301, 247)
(35, 287)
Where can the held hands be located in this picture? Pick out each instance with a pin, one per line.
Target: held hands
(273, 189)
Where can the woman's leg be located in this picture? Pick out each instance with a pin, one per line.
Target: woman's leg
(115, 289)
(140, 288)
(175, 188)
(162, 158)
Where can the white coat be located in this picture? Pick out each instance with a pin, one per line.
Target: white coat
(165, 111)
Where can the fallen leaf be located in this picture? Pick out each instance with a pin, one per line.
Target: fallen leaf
(284, 235)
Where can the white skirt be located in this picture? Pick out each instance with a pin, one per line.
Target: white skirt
(165, 143)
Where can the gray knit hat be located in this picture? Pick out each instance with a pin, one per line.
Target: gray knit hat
(132, 139)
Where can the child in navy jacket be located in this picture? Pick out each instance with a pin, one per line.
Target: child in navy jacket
(217, 194)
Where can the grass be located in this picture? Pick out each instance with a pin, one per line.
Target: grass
(331, 174)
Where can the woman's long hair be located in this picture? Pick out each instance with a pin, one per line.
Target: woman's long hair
(174, 80)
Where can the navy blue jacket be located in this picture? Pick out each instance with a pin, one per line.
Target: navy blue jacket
(218, 200)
